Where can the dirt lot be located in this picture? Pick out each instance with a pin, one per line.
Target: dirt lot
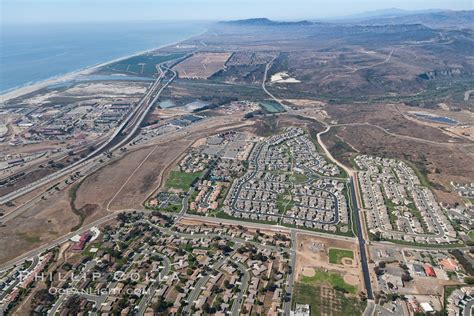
(42, 223)
(312, 252)
(389, 117)
(202, 65)
(100, 187)
(149, 176)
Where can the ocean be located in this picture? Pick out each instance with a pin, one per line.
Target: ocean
(33, 53)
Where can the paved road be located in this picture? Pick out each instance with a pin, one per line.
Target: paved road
(19, 260)
(467, 94)
(370, 309)
(275, 227)
(152, 289)
(212, 235)
(362, 248)
(291, 277)
(468, 309)
(267, 67)
(7, 291)
(193, 296)
(361, 231)
(57, 305)
(235, 310)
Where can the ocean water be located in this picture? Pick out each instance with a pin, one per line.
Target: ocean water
(32, 53)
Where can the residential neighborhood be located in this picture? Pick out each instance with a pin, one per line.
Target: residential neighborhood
(398, 205)
(136, 265)
(289, 182)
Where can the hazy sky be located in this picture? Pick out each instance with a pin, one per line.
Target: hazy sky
(119, 10)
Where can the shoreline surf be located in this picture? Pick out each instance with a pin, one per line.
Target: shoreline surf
(37, 85)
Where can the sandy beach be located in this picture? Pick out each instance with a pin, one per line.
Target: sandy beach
(78, 73)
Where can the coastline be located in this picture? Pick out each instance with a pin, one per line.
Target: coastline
(28, 88)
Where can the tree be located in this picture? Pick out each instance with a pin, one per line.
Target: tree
(122, 217)
(469, 280)
(161, 305)
(406, 277)
(378, 271)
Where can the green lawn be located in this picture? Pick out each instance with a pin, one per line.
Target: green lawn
(32, 239)
(87, 251)
(272, 107)
(298, 178)
(141, 65)
(471, 234)
(308, 294)
(323, 304)
(283, 204)
(333, 279)
(181, 180)
(336, 255)
(173, 208)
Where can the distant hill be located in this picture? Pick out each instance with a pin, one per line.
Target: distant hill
(265, 22)
(431, 18)
(436, 19)
(384, 13)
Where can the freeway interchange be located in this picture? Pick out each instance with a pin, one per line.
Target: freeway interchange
(120, 136)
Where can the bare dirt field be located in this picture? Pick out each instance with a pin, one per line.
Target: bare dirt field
(202, 65)
(466, 131)
(100, 187)
(40, 224)
(107, 89)
(390, 118)
(312, 252)
(306, 103)
(149, 175)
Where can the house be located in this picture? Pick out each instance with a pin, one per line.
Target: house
(301, 310)
(449, 264)
(430, 271)
(85, 237)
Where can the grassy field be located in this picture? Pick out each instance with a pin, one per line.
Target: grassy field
(328, 278)
(283, 204)
(87, 251)
(471, 234)
(272, 107)
(32, 239)
(336, 255)
(298, 178)
(141, 65)
(181, 180)
(173, 208)
(326, 301)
